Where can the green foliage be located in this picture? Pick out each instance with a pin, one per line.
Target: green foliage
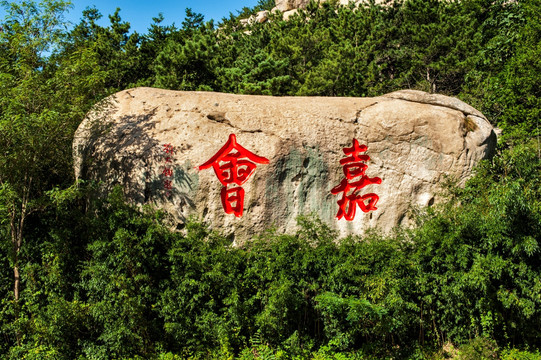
(123, 279)
(512, 97)
(31, 125)
(200, 306)
(187, 66)
(480, 266)
(478, 348)
(516, 354)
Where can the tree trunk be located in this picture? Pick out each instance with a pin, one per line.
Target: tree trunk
(16, 286)
(16, 242)
(431, 81)
(17, 226)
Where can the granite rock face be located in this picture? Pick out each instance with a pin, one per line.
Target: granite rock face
(288, 5)
(414, 140)
(291, 7)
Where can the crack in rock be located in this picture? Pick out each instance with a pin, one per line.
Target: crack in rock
(421, 97)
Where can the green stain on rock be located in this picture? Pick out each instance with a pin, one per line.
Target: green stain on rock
(300, 185)
(185, 181)
(186, 178)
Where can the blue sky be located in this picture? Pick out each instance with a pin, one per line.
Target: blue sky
(139, 13)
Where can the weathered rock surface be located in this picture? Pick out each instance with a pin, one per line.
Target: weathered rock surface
(414, 140)
(291, 7)
(285, 5)
(288, 5)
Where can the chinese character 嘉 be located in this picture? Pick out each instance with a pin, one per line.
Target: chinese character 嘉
(354, 169)
(233, 165)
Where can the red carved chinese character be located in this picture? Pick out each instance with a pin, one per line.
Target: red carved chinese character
(167, 172)
(168, 184)
(233, 164)
(347, 204)
(354, 152)
(229, 166)
(233, 200)
(168, 148)
(354, 167)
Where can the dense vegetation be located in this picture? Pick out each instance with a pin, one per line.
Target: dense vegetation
(114, 282)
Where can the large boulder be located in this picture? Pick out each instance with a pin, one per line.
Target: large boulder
(285, 5)
(292, 7)
(288, 5)
(414, 139)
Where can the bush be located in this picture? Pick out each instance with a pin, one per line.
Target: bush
(479, 348)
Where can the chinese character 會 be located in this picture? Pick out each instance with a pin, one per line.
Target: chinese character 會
(233, 165)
